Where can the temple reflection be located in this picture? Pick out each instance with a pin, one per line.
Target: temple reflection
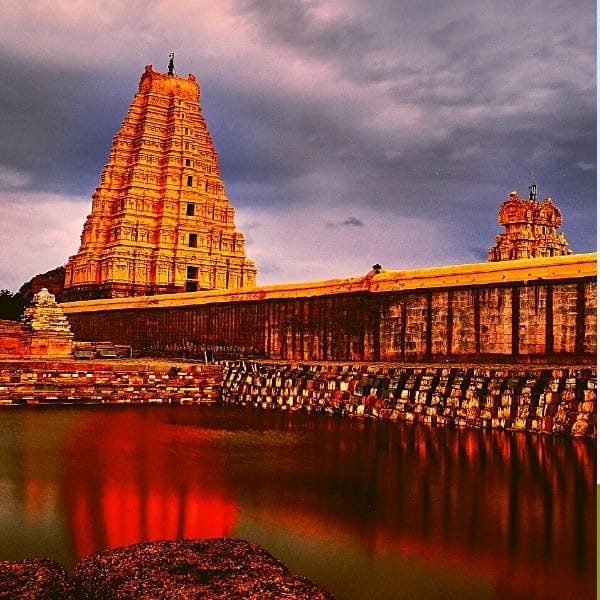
(516, 509)
(133, 488)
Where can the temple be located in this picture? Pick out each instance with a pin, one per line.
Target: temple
(530, 229)
(161, 221)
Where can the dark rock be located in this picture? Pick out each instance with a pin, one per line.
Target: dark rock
(220, 568)
(53, 281)
(34, 579)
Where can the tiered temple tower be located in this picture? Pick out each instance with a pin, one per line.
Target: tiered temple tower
(530, 229)
(160, 220)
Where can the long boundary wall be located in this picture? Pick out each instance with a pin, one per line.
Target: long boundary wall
(535, 310)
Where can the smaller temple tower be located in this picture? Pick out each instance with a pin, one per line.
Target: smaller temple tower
(46, 329)
(530, 229)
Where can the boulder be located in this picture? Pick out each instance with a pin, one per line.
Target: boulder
(34, 579)
(209, 569)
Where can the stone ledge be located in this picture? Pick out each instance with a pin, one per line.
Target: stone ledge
(72, 382)
(534, 269)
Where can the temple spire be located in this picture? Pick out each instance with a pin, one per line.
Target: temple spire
(161, 221)
(531, 229)
(171, 63)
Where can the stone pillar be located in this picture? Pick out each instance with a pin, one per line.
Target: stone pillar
(47, 328)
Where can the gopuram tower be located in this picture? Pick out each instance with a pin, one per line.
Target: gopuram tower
(530, 229)
(160, 219)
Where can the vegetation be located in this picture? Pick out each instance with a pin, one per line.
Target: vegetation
(11, 305)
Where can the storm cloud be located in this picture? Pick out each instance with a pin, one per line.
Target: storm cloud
(403, 125)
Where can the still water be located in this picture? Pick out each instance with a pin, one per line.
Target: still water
(366, 509)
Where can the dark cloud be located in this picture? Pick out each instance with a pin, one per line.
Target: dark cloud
(486, 120)
(413, 112)
(349, 222)
(353, 221)
(57, 123)
(298, 24)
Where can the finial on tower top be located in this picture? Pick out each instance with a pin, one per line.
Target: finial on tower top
(171, 63)
(532, 188)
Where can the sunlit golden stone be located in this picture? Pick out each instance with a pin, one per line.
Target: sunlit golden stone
(530, 229)
(160, 219)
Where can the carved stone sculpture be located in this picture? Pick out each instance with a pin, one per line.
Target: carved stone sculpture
(530, 229)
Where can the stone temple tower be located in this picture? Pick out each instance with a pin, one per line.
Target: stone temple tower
(160, 219)
(530, 229)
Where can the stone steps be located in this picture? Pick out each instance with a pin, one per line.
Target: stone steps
(20, 385)
(559, 401)
(537, 400)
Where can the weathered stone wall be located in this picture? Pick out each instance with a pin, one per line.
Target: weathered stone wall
(589, 317)
(13, 340)
(532, 318)
(118, 382)
(417, 307)
(495, 316)
(440, 319)
(526, 313)
(559, 401)
(535, 399)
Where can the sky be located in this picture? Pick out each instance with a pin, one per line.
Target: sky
(349, 132)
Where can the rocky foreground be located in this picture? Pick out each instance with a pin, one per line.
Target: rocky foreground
(221, 568)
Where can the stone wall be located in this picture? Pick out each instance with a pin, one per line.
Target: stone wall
(525, 311)
(539, 400)
(589, 317)
(559, 401)
(97, 382)
(13, 340)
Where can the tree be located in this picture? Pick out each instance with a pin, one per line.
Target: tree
(11, 305)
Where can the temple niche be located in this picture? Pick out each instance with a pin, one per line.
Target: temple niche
(530, 229)
(161, 221)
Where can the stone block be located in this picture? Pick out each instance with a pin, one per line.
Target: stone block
(587, 406)
(582, 427)
(463, 329)
(565, 317)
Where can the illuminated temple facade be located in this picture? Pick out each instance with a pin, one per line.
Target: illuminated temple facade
(530, 229)
(160, 219)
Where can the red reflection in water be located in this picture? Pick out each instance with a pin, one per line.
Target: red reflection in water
(128, 489)
(511, 512)
(513, 509)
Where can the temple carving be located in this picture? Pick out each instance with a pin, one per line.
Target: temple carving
(161, 221)
(530, 229)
